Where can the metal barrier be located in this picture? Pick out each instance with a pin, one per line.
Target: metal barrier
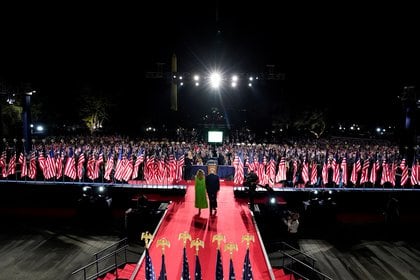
(105, 263)
(308, 259)
(301, 269)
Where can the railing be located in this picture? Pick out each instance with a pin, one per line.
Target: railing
(301, 269)
(105, 263)
(310, 261)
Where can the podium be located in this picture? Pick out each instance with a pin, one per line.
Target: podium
(212, 166)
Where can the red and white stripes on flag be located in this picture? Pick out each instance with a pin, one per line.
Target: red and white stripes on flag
(109, 166)
(90, 172)
(32, 166)
(282, 171)
(314, 174)
(70, 167)
(59, 165)
(404, 172)
(305, 172)
(324, 173)
(80, 167)
(12, 165)
(139, 161)
(414, 174)
(365, 172)
(344, 175)
(3, 164)
(373, 172)
(271, 172)
(238, 178)
(24, 167)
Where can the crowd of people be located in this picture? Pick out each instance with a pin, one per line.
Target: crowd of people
(291, 162)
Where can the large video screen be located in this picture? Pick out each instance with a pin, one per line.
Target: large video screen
(215, 137)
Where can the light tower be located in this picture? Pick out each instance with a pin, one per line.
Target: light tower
(174, 86)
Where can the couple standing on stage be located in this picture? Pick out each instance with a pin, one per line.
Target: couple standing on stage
(209, 184)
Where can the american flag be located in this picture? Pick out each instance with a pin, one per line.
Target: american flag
(325, 174)
(59, 164)
(314, 174)
(98, 163)
(179, 166)
(247, 270)
(414, 174)
(70, 167)
(239, 170)
(3, 163)
(365, 171)
(219, 266)
(231, 271)
(91, 167)
(139, 161)
(197, 274)
(150, 271)
(185, 268)
(32, 166)
(305, 172)
(281, 173)
(344, 175)
(80, 164)
(24, 167)
(404, 172)
(42, 162)
(162, 275)
(109, 166)
(373, 172)
(12, 165)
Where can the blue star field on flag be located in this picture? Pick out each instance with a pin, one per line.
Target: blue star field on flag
(185, 268)
(219, 266)
(150, 271)
(247, 270)
(231, 271)
(162, 275)
(197, 274)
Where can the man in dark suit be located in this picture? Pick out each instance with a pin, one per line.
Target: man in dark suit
(212, 187)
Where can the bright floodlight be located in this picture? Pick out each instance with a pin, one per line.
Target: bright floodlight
(196, 78)
(39, 128)
(234, 78)
(197, 84)
(215, 80)
(250, 84)
(233, 84)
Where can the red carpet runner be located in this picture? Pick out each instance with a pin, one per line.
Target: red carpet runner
(233, 219)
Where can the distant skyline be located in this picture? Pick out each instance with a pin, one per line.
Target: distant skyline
(354, 61)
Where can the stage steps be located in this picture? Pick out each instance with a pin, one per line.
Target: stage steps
(123, 273)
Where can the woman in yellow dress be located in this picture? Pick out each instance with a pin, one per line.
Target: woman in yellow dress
(200, 191)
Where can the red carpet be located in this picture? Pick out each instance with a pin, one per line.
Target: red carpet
(233, 219)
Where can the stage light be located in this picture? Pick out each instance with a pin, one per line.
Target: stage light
(234, 78)
(273, 200)
(250, 84)
(196, 78)
(87, 191)
(233, 84)
(215, 80)
(197, 84)
(101, 189)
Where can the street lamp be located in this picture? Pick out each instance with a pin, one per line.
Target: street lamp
(26, 119)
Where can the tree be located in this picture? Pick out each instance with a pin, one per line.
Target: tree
(94, 111)
(11, 118)
(311, 121)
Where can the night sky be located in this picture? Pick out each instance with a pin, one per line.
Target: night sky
(352, 60)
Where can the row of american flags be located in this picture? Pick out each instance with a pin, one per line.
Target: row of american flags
(122, 164)
(75, 164)
(333, 171)
(150, 273)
